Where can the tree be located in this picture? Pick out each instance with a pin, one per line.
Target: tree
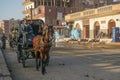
(1, 32)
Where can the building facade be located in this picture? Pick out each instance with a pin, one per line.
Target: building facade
(98, 19)
(8, 25)
(5, 26)
(13, 24)
(50, 11)
(53, 11)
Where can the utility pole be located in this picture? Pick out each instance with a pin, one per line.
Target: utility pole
(31, 13)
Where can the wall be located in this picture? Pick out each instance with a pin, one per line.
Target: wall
(103, 21)
(29, 6)
(80, 23)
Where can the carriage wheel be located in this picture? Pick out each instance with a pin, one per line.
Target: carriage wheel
(23, 58)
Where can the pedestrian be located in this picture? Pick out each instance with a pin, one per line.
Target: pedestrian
(3, 39)
(57, 35)
(72, 34)
(10, 41)
(79, 32)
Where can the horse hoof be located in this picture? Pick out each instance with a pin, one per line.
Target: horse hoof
(37, 69)
(47, 64)
(43, 72)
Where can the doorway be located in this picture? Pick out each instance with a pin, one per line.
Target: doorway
(96, 28)
(111, 24)
(86, 31)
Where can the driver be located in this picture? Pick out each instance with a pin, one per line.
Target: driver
(27, 32)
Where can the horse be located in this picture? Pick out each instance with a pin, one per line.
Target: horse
(41, 46)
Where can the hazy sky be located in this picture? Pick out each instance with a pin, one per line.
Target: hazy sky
(11, 9)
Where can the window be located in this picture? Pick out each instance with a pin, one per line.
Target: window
(58, 3)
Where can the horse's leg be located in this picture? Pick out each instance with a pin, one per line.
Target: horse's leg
(43, 58)
(44, 63)
(37, 59)
(47, 56)
(37, 56)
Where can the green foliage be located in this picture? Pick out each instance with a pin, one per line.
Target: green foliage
(1, 31)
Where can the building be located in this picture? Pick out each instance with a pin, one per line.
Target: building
(0, 23)
(92, 21)
(13, 24)
(53, 11)
(5, 26)
(49, 11)
(8, 25)
(1, 32)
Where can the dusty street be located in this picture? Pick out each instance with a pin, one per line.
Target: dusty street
(69, 64)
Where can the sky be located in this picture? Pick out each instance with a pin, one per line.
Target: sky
(11, 9)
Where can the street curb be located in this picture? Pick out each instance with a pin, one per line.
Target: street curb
(4, 71)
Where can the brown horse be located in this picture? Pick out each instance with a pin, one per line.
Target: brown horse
(41, 45)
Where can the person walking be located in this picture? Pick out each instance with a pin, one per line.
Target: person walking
(79, 32)
(57, 35)
(3, 39)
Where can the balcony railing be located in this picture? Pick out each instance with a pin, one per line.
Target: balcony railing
(37, 13)
(105, 10)
(88, 12)
(75, 15)
(27, 11)
(27, 2)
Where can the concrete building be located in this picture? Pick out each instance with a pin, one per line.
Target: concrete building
(92, 21)
(53, 11)
(5, 26)
(13, 24)
(49, 11)
(0, 23)
(8, 25)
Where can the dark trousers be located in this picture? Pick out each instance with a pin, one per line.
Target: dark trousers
(3, 44)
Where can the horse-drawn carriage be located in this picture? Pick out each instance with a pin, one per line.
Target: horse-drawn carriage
(35, 47)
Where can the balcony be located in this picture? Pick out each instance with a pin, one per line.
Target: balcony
(104, 9)
(75, 15)
(28, 11)
(39, 12)
(97, 12)
(89, 12)
(27, 2)
(38, 16)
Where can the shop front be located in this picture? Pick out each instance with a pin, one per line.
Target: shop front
(94, 21)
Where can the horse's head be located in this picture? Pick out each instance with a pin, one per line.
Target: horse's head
(48, 33)
(51, 32)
